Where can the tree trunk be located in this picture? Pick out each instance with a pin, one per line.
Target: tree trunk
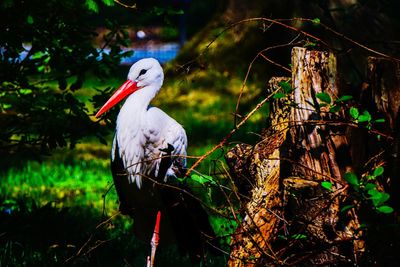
(318, 152)
(300, 151)
(252, 240)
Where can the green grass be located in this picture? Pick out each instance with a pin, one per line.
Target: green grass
(50, 209)
(67, 184)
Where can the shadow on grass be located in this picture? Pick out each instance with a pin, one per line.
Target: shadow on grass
(52, 236)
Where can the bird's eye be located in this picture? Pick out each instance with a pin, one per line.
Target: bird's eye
(143, 71)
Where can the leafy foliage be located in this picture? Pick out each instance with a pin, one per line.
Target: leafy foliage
(327, 185)
(365, 117)
(324, 97)
(367, 190)
(45, 41)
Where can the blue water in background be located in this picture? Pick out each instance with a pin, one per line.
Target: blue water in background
(162, 52)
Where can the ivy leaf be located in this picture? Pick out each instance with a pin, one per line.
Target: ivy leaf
(324, 97)
(327, 185)
(354, 112)
(385, 209)
(365, 116)
(378, 171)
(351, 178)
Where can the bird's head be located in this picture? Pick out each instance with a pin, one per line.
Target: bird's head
(146, 74)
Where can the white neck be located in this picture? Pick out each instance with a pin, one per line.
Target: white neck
(135, 105)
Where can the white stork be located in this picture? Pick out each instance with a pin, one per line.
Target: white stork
(148, 150)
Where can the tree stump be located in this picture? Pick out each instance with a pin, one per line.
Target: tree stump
(287, 197)
(316, 151)
(259, 167)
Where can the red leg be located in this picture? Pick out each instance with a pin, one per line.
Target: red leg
(154, 241)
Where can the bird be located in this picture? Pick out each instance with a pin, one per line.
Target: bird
(148, 154)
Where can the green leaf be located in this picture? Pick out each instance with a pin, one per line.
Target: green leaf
(374, 193)
(108, 2)
(370, 186)
(382, 120)
(202, 179)
(327, 185)
(354, 112)
(316, 21)
(286, 86)
(92, 5)
(334, 109)
(278, 95)
(385, 209)
(377, 197)
(370, 177)
(324, 97)
(378, 171)
(346, 208)
(6, 106)
(344, 98)
(25, 91)
(365, 116)
(29, 19)
(351, 178)
(38, 55)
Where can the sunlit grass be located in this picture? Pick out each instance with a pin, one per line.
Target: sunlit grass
(68, 184)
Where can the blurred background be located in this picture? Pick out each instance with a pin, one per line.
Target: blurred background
(61, 60)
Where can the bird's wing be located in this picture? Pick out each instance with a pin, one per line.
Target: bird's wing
(165, 137)
(176, 136)
(131, 143)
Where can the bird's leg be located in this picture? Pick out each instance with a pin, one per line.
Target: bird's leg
(154, 241)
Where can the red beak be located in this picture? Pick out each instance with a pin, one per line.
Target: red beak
(126, 89)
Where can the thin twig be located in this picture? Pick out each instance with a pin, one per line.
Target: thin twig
(345, 37)
(232, 132)
(125, 5)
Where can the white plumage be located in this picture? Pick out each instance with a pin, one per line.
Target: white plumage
(148, 148)
(144, 131)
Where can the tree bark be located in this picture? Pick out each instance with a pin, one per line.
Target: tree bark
(299, 151)
(251, 242)
(315, 151)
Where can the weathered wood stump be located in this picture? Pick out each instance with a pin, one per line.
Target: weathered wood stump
(259, 166)
(301, 150)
